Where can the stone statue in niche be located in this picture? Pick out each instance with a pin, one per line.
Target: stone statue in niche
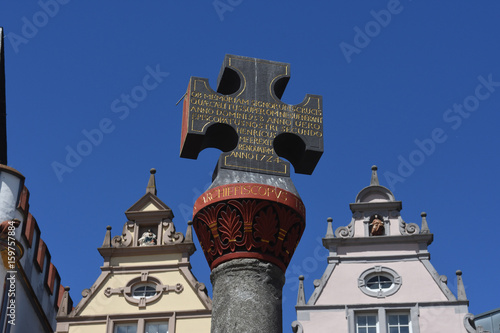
(148, 238)
(377, 225)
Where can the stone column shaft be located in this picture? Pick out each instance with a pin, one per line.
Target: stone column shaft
(247, 296)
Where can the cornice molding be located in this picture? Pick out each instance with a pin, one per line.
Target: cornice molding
(343, 307)
(388, 205)
(108, 252)
(374, 240)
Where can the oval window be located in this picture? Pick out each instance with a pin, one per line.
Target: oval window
(379, 282)
(144, 290)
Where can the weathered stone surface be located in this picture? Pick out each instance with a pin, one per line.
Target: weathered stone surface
(247, 296)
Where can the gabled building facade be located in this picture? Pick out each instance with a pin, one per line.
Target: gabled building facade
(146, 283)
(379, 277)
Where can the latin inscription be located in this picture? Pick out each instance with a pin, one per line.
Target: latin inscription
(247, 190)
(256, 122)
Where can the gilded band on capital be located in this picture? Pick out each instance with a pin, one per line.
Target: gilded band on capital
(244, 189)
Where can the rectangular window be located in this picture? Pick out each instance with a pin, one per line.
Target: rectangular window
(157, 327)
(366, 323)
(399, 323)
(125, 328)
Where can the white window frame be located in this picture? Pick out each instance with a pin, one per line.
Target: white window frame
(379, 275)
(128, 323)
(382, 317)
(160, 322)
(400, 313)
(141, 323)
(152, 287)
(367, 314)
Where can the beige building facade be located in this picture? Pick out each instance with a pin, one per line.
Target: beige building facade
(146, 283)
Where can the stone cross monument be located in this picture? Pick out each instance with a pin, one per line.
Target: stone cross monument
(251, 218)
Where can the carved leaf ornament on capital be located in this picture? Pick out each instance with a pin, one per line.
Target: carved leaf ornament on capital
(250, 228)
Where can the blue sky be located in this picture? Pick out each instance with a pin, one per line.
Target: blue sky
(411, 86)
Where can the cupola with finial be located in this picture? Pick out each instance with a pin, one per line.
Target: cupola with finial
(375, 213)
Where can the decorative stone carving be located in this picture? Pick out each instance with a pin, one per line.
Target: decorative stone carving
(200, 286)
(86, 292)
(126, 238)
(297, 327)
(470, 326)
(408, 228)
(250, 228)
(142, 302)
(170, 236)
(347, 231)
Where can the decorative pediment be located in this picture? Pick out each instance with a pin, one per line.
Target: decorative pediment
(147, 207)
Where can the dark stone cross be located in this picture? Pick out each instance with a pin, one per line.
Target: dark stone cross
(246, 119)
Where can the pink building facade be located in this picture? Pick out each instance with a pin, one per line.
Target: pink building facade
(379, 277)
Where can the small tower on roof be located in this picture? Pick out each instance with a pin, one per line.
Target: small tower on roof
(379, 277)
(146, 284)
(376, 212)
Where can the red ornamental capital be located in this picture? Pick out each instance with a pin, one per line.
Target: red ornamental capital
(247, 220)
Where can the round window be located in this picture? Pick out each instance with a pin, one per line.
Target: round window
(144, 290)
(379, 282)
